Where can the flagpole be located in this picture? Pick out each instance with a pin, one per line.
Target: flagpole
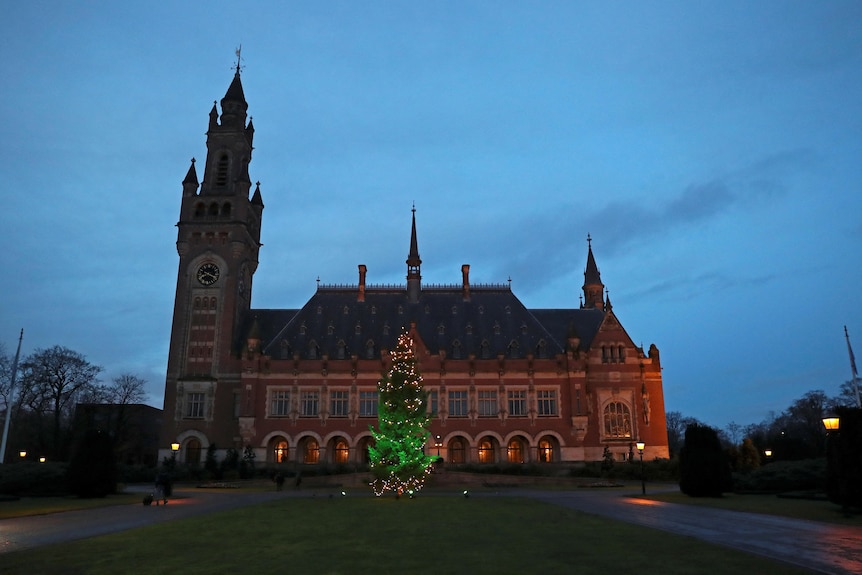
(854, 373)
(9, 399)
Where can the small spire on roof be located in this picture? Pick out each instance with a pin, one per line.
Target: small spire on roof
(238, 59)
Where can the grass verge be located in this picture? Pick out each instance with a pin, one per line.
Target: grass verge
(359, 535)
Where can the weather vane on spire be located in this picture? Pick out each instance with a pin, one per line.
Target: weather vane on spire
(238, 58)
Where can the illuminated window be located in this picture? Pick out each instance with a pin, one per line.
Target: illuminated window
(368, 404)
(547, 401)
(340, 452)
(515, 452)
(195, 405)
(546, 451)
(618, 420)
(338, 403)
(457, 453)
(517, 402)
(486, 451)
(312, 452)
(458, 403)
(279, 404)
(488, 403)
(309, 402)
(279, 450)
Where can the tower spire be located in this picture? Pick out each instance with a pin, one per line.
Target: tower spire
(593, 286)
(414, 263)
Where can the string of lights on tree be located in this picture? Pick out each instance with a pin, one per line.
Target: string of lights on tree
(398, 460)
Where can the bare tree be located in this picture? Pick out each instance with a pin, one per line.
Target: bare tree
(733, 430)
(126, 389)
(55, 378)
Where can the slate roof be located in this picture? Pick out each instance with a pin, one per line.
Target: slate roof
(492, 321)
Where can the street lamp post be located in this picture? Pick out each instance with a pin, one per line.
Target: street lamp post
(834, 482)
(438, 444)
(640, 446)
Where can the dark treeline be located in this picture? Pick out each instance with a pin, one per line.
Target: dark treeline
(794, 434)
(50, 383)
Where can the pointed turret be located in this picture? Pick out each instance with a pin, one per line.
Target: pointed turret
(414, 277)
(229, 145)
(190, 182)
(257, 199)
(233, 105)
(593, 286)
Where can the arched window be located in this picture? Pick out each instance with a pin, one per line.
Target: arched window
(200, 210)
(221, 171)
(486, 451)
(225, 210)
(515, 451)
(193, 452)
(618, 420)
(542, 349)
(340, 349)
(514, 349)
(279, 450)
(546, 451)
(213, 210)
(312, 452)
(485, 349)
(456, 451)
(340, 452)
(312, 350)
(369, 349)
(456, 349)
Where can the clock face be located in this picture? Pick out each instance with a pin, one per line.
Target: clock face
(208, 274)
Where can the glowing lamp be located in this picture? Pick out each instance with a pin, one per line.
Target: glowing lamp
(640, 445)
(831, 422)
(175, 447)
(767, 452)
(41, 460)
(22, 453)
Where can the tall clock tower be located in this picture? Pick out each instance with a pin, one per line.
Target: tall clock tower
(218, 241)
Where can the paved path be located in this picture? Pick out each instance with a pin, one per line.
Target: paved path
(821, 547)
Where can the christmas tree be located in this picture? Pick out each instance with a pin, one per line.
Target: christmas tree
(398, 460)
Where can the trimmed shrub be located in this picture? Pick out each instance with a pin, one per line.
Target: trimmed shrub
(33, 479)
(703, 466)
(780, 476)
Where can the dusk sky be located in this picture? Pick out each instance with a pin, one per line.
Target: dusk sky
(712, 150)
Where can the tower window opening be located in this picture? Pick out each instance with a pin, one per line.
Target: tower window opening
(221, 171)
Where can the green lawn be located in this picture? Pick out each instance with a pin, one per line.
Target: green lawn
(358, 535)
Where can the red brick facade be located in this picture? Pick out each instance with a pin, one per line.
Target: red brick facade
(507, 383)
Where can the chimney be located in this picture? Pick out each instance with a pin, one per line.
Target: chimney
(465, 281)
(361, 295)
